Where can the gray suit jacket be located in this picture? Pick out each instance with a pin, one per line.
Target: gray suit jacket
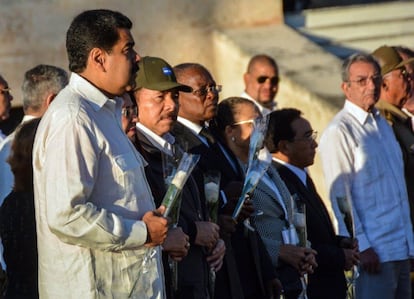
(273, 221)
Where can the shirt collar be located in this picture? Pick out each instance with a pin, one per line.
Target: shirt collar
(196, 128)
(360, 114)
(93, 95)
(163, 143)
(263, 110)
(300, 173)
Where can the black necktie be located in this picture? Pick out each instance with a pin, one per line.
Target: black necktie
(207, 134)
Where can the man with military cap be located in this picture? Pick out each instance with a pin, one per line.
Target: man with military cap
(157, 99)
(395, 91)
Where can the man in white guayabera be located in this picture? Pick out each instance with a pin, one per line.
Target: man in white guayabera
(362, 160)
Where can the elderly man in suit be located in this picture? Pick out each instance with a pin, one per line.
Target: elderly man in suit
(292, 142)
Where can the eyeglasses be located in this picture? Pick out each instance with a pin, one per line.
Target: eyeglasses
(273, 80)
(129, 112)
(5, 91)
(204, 91)
(309, 137)
(248, 121)
(376, 79)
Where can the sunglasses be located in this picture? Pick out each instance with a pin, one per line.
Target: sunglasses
(203, 91)
(273, 80)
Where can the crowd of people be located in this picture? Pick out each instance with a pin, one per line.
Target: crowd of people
(84, 176)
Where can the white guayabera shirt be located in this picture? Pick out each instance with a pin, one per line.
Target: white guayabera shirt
(90, 194)
(359, 152)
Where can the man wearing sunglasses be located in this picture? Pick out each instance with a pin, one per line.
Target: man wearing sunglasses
(395, 91)
(261, 82)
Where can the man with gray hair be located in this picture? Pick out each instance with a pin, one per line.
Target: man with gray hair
(40, 86)
(362, 161)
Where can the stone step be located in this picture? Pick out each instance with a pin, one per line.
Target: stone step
(345, 30)
(368, 30)
(355, 14)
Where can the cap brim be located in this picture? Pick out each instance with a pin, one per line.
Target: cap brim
(163, 86)
(404, 62)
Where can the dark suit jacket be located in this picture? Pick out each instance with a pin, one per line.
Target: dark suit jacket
(251, 263)
(328, 281)
(193, 270)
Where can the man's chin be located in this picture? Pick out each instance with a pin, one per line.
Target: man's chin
(266, 102)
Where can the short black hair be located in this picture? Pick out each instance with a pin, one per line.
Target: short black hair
(93, 29)
(280, 127)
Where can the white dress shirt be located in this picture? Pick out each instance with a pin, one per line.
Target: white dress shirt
(90, 194)
(362, 159)
(163, 144)
(411, 117)
(193, 127)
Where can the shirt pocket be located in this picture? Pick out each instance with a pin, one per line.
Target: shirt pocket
(369, 172)
(127, 168)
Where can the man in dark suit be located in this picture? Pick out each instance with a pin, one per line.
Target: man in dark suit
(247, 271)
(157, 100)
(292, 142)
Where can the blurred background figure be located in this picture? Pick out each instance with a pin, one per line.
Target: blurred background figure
(5, 102)
(17, 218)
(261, 82)
(408, 107)
(40, 86)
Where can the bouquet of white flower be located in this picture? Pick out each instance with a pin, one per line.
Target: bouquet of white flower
(211, 191)
(345, 208)
(184, 169)
(258, 162)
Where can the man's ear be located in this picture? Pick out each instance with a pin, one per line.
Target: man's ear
(97, 58)
(384, 84)
(284, 146)
(50, 99)
(228, 130)
(246, 78)
(344, 87)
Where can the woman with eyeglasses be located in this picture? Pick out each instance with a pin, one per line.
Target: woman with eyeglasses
(234, 123)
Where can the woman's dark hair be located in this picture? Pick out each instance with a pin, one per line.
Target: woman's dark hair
(226, 111)
(93, 29)
(20, 158)
(280, 127)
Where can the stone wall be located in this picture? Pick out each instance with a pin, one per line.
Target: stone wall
(33, 32)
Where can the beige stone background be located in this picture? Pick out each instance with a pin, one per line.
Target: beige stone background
(33, 32)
